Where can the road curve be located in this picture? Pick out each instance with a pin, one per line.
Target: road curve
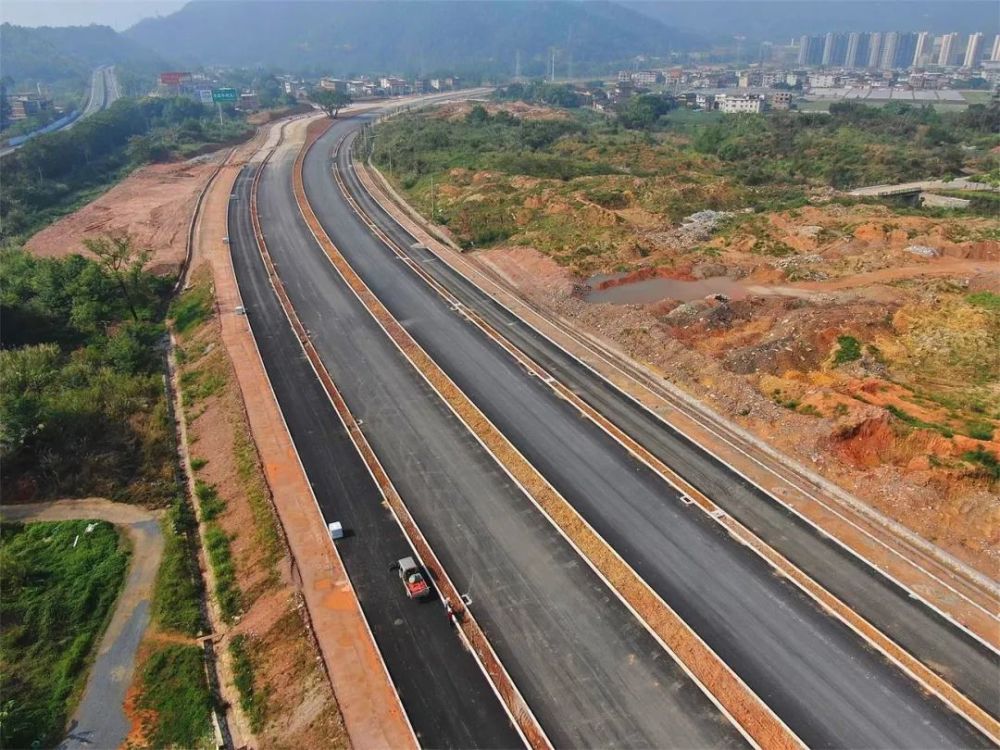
(99, 720)
(815, 673)
(590, 672)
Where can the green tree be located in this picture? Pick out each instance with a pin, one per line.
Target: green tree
(330, 102)
(124, 262)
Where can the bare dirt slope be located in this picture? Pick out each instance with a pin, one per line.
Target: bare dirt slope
(153, 204)
(895, 425)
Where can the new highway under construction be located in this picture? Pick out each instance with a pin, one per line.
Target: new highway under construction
(590, 668)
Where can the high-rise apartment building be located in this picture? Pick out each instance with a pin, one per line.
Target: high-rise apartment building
(853, 47)
(973, 50)
(995, 54)
(949, 42)
(906, 47)
(874, 49)
(922, 53)
(811, 50)
(887, 60)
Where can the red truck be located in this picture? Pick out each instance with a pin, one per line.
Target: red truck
(413, 580)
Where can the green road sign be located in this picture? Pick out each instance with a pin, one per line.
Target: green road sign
(225, 95)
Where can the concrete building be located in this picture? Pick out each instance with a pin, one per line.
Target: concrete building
(249, 102)
(922, 53)
(973, 50)
(811, 50)
(333, 84)
(874, 49)
(946, 53)
(732, 104)
(906, 47)
(824, 81)
(23, 106)
(857, 50)
(995, 53)
(834, 49)
(781, 100)
(887, 59)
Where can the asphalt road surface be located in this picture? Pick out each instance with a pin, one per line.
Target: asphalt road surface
(591, 673)
(447, 699)
(970, 665)
(814, 672)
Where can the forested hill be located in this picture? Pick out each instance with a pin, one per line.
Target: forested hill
(49, 54)
(406, 37)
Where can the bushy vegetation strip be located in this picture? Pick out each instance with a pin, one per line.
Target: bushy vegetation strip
(82, 410)
(59, 585)
(483, 174)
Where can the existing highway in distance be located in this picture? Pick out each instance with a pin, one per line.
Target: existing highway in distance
(104, 90)
(817, 675)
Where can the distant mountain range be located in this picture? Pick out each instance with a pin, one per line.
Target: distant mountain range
(411, 37)
(342, 37)
(68, 53)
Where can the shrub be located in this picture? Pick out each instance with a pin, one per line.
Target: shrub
(988, 464)
(979, 430)
(848, 350)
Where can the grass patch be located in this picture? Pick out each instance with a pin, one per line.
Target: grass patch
(985, 300)
(979, 430)
(253, 702)
(56, 600)
(208, 500)
(175, 688)
(987, 463)
(848, 350)
(258, 494)
(200, 384)
(192, 308)
(913, 421)
(199, 463)
(177, 597)
(227, 591)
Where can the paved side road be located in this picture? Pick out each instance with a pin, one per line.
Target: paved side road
(99, 720)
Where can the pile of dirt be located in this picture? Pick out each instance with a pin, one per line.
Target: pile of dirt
(153, 205)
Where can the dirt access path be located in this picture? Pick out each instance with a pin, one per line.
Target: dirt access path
(99, 719)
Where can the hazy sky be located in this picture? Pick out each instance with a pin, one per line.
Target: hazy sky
(118, 14)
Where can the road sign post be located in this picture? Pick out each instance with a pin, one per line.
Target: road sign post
(229, 95)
